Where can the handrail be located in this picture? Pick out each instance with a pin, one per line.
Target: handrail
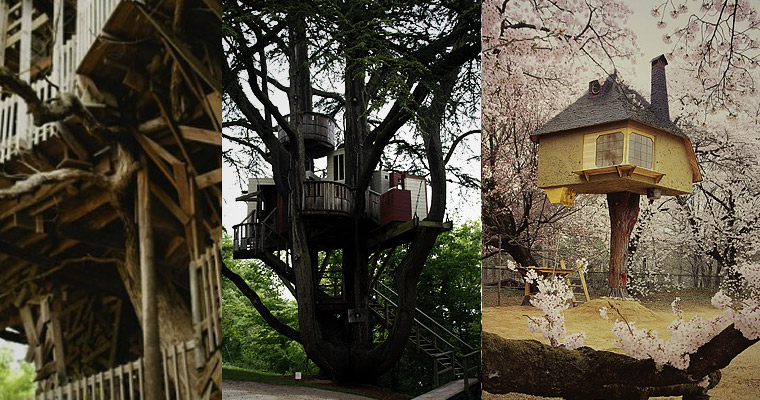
(417, 322)
(427, 317)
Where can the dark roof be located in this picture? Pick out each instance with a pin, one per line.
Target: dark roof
(615, 102)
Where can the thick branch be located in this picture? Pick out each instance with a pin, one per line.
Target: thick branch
(528, 366)
(259, 306)
(55, 109)
(36, 180)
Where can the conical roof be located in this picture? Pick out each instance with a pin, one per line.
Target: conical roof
(615, 102)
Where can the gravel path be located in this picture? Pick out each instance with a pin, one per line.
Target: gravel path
(244, 390)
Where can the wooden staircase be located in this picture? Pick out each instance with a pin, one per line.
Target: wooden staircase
(453, 359)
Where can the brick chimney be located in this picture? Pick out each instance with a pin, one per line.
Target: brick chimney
(659, 97)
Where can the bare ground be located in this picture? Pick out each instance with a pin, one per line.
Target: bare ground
(740, 381)
(247, 390)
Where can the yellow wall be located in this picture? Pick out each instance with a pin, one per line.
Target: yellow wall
(561, 154)
(670, 158)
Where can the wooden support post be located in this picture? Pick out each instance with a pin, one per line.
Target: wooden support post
(624, 210)
(151, 346)
(498, 287)
(3, 27)
(25, 65)
(58, 42)
(195, 307)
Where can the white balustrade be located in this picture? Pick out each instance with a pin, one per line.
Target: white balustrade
(91, 17)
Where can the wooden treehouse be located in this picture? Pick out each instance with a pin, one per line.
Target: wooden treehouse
(395, 206)
(613, 140)
(110, 217)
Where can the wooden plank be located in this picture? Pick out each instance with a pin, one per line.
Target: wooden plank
(72, 141)
(151, 346)
(183, 189)
(205, 74)
(3, 29)
(57, 336)
(157, 149)
(150, 151)
(174, 244)
(23, 254)
(169, 203)
(208, 270)
(201, 135)
(209, 178)
(95, 201)
(215, 99)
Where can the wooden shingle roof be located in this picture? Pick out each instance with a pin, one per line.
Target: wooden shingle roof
(615, 102)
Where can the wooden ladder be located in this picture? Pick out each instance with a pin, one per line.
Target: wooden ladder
(574, 286)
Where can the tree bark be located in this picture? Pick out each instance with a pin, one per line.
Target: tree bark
(528, 366)
(624, 210)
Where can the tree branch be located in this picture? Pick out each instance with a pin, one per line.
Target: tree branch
(255, 300)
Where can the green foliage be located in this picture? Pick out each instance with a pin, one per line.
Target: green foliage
(247, 340)
(449, 292)
(15, 383)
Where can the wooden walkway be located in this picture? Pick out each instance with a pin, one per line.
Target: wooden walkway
(447, 391)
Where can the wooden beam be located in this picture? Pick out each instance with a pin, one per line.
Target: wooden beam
(183, 50)
(93, 202)
(158, 150)
(201, 135)
(209, 178)
(23, 254)
(150, 150)
(72, 141)
(169, 203)
(175, 132)
(36, 23)
(151, 344)
(3, 30)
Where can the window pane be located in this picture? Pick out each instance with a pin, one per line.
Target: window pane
(609, 149)
(641, 151)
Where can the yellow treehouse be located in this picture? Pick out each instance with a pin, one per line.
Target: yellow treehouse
(612, 140)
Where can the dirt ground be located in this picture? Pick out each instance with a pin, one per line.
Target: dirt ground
(740, 381)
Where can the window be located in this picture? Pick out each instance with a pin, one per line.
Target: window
(640, 150)
(609, 149)
(339, 171)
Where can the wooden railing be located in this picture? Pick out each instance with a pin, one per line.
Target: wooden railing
(188, 367)
(91, 17)
(326, 197)
(373, 205)
(127, 381)
(206, 298)
(17, 132)
(452, 357)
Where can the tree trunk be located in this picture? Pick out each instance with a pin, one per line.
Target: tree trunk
(624, 209)
(528, 366)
